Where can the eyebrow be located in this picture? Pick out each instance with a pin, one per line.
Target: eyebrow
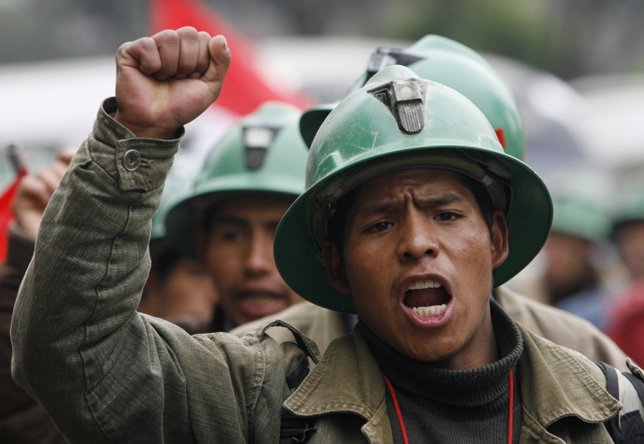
(240, 221)
(388, 205)
(218, 220)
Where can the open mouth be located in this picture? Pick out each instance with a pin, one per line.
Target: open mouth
(255, 305)
(427, 298)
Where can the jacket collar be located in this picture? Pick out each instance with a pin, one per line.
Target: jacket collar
(555, 383)
(347, 379)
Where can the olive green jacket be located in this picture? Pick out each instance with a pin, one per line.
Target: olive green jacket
(561, 327)
(108, 374)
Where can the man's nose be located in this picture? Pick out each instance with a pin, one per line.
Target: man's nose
(260, 256)
(418, 236)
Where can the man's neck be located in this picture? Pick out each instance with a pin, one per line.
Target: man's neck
(482, 349)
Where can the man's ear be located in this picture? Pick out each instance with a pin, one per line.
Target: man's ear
(334, 267)
(500, 246)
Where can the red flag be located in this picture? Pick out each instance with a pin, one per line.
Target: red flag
(6, 214)
(245, 88)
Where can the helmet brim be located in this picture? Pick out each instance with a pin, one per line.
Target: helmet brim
(183, 219)
(312, 119)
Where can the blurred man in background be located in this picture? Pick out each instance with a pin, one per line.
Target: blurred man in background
(626, 318)
(228, 217)
(572, 275)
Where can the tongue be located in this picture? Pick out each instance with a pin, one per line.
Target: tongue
(426, 297)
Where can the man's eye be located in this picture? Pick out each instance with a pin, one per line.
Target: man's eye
(378, 227)
(230, 235)
(226, 234)
(447, 216)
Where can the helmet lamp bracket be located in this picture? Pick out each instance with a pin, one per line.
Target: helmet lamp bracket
(257, 140)
(406, 102)
(384, 56)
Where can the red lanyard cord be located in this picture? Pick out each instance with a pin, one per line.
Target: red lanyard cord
(397, 407)
(401, 421)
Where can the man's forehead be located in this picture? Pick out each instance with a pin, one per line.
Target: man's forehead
(418, 181)
(242, 206)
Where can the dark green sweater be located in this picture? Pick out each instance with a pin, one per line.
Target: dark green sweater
(454, 406)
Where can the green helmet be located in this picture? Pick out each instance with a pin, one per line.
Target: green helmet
(629, 208)
(172, 191)
(579, 206)
(398, 120)
(263, 153)
(445, 61)
(580, 218)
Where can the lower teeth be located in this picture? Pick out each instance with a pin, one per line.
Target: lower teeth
(433, 310)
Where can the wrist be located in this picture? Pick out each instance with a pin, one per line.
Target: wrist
(145, 131)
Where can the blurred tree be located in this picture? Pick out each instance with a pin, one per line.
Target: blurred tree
(527, 31)
(566, 37)
(32, 30)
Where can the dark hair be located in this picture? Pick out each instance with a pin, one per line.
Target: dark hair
(335, 226)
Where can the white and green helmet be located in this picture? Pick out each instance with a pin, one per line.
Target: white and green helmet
(398, 120)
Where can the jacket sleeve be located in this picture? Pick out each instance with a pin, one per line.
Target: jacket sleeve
(104, 372)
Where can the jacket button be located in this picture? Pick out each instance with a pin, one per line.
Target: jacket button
(131, 160)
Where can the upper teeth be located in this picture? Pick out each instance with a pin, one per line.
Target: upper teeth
(420, 285)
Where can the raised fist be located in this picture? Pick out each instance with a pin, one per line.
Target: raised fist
(167, 80)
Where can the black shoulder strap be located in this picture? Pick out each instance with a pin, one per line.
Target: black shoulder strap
(612, 425)
(294, 429)
(611, 379)
(638, 384)
(628, 425)
(305, 344)
(636, 376)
